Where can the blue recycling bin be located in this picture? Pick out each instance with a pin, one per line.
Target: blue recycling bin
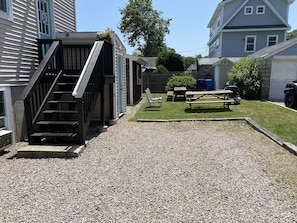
(200, 84)
(209, 84)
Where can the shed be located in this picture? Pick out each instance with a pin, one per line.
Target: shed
(134, 78)
(278, 66)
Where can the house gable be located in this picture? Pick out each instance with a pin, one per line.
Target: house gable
(247, 26)
(269, 19)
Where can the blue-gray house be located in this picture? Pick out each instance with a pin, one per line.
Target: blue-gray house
(241, 27)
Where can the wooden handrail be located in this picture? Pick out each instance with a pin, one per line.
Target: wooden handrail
(37, 76)
(87, 70)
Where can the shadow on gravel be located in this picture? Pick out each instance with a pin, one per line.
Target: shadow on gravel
(93, 130)
(3, 152)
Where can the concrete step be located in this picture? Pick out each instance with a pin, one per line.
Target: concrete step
(50, 151)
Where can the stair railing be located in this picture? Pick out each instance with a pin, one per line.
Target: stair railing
(91, 83)
(36, 92)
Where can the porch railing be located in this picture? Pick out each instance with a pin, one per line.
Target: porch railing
(37, 91)
(98, 67)
(95, 66)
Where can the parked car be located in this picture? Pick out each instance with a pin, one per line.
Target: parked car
(291, 95)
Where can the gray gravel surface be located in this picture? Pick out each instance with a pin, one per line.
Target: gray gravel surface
(149, 172)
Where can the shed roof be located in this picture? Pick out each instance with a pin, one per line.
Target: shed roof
(208, 61)
(271, 51)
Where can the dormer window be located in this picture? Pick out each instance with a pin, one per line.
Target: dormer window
(261, 9)
(248, 10)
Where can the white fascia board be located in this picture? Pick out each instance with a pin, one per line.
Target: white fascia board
(213, 38)
(252, 30)
(217, 11)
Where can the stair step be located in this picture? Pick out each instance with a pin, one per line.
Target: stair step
(62, 92)
(64, 83)
(71, 76)
(53, 134)
(60, 112)
(72, 123)
(62, 102)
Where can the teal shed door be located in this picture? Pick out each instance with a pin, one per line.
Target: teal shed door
(120, 86)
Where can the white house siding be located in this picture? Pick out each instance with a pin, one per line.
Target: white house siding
(65, 15)
(18, 46)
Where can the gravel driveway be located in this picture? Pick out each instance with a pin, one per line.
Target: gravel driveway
(150, 172)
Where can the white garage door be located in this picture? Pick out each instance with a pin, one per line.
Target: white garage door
(283, 71)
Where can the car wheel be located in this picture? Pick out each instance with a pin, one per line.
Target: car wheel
(290, 99)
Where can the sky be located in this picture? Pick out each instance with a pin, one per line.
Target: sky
(188, 29)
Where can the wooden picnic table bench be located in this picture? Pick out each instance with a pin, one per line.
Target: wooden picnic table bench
(210, 97)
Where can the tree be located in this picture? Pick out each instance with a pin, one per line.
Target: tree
(292, 35)
(189, 61)
(171, 60)
(144, 27)
(245, 74)
(161, 69)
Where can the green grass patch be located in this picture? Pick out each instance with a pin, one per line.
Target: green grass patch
(278, 120)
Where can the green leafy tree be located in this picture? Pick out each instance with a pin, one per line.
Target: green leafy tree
(199, 56)
(171, 60)
(245, 74)
(188, 61)
(161, 70)
(292, 35)
(143, 27)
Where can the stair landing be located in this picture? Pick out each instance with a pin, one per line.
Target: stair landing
(50, 151)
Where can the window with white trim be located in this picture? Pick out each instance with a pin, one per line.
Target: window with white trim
(6, 9)
(260, 9)
(272, 40)
(43, 17)
(248, 10)
(250, 44)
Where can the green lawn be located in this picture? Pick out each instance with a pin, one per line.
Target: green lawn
(278, 120)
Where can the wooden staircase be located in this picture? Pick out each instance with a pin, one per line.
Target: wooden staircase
(58, 121)
(61, 96)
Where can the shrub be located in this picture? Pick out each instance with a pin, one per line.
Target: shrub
(245, 75)
(181, 80)
(161, 69)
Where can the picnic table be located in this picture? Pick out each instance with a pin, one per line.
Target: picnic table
(209, 97)
(180, 91)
